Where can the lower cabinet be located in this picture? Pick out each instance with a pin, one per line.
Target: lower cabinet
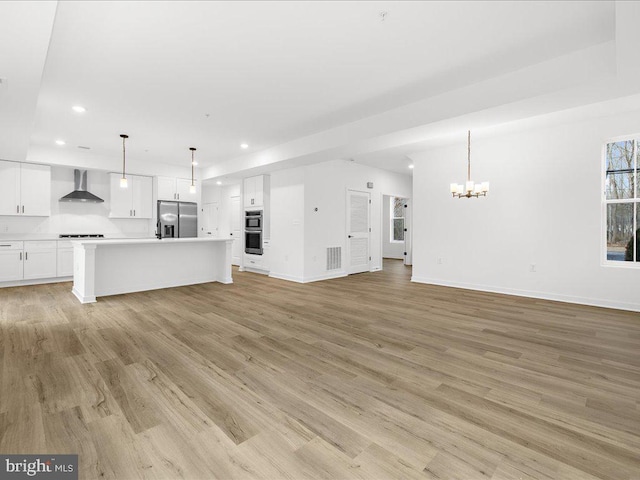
(27, 260)
(40, 259)
(11, 261)
(65, 259)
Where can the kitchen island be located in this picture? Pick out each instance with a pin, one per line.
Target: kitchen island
(112, 267)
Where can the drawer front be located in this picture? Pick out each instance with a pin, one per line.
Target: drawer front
(10, 245)
(40, 245)
(65, 244)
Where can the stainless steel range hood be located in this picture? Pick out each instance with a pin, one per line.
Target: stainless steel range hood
(80, 193)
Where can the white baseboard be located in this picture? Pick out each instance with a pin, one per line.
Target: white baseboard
(284, 276)
(595, 302)
(36, 281)
(326, 276)
(82, 298)
(316, 278)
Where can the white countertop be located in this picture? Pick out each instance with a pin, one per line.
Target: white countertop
(28, 237)
(138, 241)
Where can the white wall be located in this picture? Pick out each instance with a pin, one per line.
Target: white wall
(389, 249)
(326, 186)
(544, 208)
(77, 217)
(286, 253)
(300, 234)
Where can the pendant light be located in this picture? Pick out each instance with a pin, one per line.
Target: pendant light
(470, 189)
(192, 188)
(123, 180)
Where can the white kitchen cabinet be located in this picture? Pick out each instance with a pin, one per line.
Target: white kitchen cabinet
(175, 189)
(256, 190)
(40, 259)
(25, 189)
(64, 266)
(183, 187)
(11, 263)
(135, 201)
(27, 260)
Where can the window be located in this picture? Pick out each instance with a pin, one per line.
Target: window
(622, 201)
(397, 219)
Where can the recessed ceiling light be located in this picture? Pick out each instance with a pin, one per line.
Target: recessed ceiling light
(194, 163)
(244, 145)
(218, 182)
(60, 142)
(78, 109)
(411, 166)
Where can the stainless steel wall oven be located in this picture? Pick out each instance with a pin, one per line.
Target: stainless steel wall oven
(253, 232)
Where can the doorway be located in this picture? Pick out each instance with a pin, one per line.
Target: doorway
(236, 232)
(210, 219)
(396, 228)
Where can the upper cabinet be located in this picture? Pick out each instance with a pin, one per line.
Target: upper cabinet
(25, 189)
(135, 201)
(256, 189)
(177, 189)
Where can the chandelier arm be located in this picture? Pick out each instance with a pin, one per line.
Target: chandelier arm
(469, 156)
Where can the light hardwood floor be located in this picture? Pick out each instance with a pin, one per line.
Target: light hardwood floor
(365, 377)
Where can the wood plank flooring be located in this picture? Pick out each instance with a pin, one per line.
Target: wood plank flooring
(365, 377)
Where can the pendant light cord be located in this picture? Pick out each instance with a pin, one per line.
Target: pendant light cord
(124, 137)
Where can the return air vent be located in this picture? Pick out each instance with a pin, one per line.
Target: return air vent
(334, 258)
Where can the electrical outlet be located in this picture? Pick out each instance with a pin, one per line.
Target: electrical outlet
(532, 268)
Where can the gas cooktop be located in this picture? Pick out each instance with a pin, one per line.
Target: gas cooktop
(81, 235)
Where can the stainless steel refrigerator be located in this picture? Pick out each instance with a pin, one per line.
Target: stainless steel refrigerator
(177, 219)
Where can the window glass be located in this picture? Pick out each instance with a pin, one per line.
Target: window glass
(619, 167)
(398, 229)
(398, 207)
(620, 231)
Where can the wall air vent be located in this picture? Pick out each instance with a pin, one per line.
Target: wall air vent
(334, 258)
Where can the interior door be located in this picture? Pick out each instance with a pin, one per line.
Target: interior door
(236, 231)
(358, 231)
(211, 219)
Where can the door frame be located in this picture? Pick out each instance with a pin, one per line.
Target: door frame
(346, 228)
(408, 224)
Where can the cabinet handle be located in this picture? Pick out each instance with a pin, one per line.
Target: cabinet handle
(134, 213)
(22, 208)
(178, 196)
(17, 208)
(20, 256)
(5, 245)
(26, 256)
(130, 213)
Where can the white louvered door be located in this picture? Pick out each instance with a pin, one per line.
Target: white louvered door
(358, 231)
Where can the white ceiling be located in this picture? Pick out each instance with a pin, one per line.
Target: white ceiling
(216, 74)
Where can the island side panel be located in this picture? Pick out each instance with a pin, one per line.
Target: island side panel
(224, 262)
(84, 268)
(135, 267)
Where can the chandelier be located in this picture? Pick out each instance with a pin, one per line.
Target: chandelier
(469, 189)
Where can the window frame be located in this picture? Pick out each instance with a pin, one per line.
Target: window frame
(392, 199)
(634, 200)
